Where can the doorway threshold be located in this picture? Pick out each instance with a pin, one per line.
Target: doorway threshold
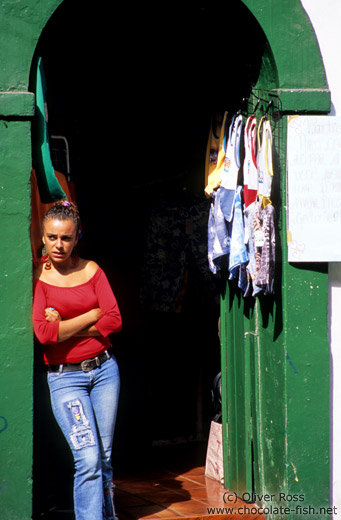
(171, 494)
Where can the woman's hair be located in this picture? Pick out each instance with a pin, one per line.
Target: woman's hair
(63, 210)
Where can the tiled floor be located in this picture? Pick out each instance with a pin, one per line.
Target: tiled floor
(172, 495)
(170, 483)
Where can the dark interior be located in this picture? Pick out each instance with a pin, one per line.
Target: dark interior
(133, 90)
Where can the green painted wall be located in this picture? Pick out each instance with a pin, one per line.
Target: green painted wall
(21, 23)
(293, 448)
(293, 43)
(275, 351)
(15, 311)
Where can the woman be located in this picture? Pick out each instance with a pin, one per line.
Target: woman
(74, 311)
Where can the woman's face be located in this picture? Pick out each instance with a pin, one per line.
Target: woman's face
(60, 237)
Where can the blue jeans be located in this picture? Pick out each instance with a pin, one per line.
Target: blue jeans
(85, 407)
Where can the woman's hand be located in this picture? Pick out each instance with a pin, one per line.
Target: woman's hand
(73, 326)
(52, 315)
(96, 314)
(79, 325)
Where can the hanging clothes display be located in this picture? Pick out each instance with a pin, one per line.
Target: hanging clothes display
(215, 154)
(241, 225)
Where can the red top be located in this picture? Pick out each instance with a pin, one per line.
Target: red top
(71, 302)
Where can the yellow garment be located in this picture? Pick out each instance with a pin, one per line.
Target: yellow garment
(265, 201)
(215, 155)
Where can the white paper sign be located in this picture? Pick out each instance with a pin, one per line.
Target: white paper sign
(314, 188)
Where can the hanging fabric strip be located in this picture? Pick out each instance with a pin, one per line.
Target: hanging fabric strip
(229, 175)
(49, 187)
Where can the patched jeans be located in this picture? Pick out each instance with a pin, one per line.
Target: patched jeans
(85, 406)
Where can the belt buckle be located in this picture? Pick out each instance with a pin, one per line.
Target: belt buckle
(87, 365)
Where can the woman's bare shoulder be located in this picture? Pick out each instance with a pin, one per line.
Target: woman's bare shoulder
(90, 267)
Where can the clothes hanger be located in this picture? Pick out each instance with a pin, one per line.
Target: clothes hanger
(255, 109)
(267, 109)
(244, 100)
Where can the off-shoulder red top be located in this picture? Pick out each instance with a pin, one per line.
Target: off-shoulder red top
(71, 302)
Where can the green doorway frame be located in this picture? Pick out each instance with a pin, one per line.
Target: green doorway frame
(275, 349)
(301, 85)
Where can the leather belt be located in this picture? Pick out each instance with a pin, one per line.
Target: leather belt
(85, 366)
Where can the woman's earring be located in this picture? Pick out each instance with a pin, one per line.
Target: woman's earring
(44, 255)
(45, 259)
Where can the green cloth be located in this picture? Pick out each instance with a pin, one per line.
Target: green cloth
(48, 185)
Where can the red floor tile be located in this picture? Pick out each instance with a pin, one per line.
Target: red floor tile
(166, 497)
(171, 495)
(180, 483)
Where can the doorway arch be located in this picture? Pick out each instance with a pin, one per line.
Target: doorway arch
(293, 43)
(297, 93)
(165, 406)
(301, 90)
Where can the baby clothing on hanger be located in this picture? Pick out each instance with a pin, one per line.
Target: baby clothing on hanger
(238, 251)
(230, 171)
(215, 154)
(219, 234)
(250, 175)
(260, 224)
(264, 161)
(266, 273)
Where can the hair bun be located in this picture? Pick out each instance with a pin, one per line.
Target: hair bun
(63, 210)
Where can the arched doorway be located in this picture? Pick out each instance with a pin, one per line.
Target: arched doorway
(136, 118)
(161, 118)
(302, 88)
